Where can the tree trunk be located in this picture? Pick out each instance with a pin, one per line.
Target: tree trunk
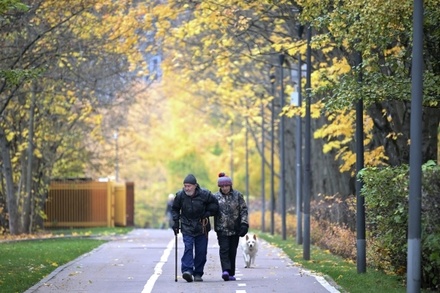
(27, 206)
(325, 175)
(392, 130)
(15, 227)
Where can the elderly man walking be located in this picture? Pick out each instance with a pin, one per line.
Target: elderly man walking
(192, 208)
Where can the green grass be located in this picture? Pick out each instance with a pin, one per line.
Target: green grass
(342, 272)
(24, 263)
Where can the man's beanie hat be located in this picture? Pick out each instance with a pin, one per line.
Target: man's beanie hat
(190, 179)
(224, 180)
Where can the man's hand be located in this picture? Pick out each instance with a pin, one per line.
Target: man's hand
(176, 228)
(243, 230)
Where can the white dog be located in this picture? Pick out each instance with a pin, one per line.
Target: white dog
(249, 247)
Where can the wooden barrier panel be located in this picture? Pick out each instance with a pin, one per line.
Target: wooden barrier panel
(120, 204)
(129, 190)
(80, 204)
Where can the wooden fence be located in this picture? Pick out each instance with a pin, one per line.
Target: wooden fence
(89, 204)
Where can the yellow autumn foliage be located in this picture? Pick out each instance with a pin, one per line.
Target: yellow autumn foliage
(339, 133)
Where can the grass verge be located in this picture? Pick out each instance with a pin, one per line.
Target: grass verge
(342, 272)
(23, 263)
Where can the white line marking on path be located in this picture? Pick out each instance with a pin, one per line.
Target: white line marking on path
(323, 282)
(158, 268)
(326, 284)
(238, 276)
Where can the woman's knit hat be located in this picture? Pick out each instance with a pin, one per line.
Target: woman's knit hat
(224, 180)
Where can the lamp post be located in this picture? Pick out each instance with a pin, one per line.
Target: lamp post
(263, 195)
(115, 136)
(414, 261)
(247, 162)
(272, 152)
(307, 144)
(296, 100)
(282, 155)
(231, 146)
(361, 261)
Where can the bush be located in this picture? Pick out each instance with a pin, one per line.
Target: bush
(327, 229)
(386, 193)
(386, 201)
(337, 239)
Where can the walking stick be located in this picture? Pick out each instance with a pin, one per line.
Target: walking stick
(175, 262)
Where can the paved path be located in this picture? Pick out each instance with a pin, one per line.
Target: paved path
(144, 261)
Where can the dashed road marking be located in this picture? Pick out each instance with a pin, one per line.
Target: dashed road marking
(238, 276)
(158, 268)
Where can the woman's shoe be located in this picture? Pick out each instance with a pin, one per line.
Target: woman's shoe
(225, 276)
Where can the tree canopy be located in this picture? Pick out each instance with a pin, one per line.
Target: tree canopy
(183, 82)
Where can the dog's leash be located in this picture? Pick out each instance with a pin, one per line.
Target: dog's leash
(204, 224)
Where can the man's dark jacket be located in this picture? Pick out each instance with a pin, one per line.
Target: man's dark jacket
(191, 210)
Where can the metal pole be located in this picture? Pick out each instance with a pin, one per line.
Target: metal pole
(299, 230)
(247, 163)
(263, 195)
(360, 201)
(282, 163)
(415, 163)
(272, 153)
(116, 135)
(232, 150)
(307, 144)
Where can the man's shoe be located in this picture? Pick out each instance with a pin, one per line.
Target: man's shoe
(225, 276)
(187, 276)
(232, 278)
(198, 278)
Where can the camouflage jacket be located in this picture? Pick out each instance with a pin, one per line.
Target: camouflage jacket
(232, 213)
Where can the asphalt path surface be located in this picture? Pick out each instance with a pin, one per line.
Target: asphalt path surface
(143, 261)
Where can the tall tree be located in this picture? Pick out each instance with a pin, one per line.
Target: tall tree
(81, 64)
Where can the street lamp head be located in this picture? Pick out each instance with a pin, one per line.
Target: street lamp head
(281, 59)
(300, 31)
